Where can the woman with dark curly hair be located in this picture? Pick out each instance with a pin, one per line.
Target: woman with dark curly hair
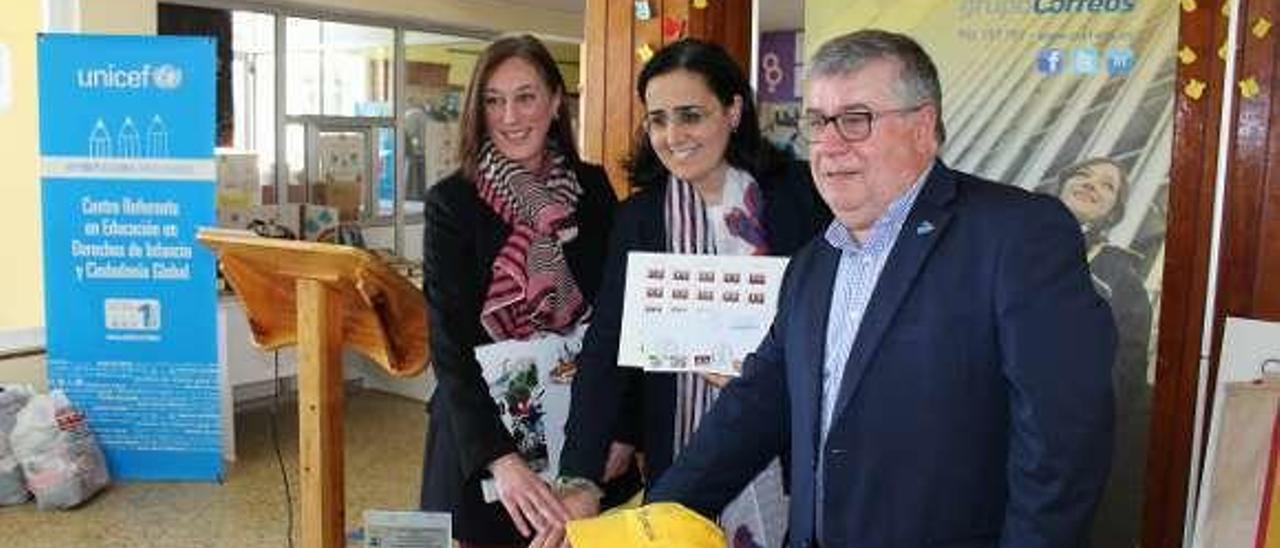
(707, 183)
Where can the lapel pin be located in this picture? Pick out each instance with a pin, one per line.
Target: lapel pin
(924, 228)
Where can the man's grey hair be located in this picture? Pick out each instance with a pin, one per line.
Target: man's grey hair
(917, 77)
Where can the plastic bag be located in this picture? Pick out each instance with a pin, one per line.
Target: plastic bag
(59, 456)
(13, 488)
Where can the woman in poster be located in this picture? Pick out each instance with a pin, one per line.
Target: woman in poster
(707, 183)
(1096, 192)
(513, 245)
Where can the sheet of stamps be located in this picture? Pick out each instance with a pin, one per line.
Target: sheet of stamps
(696, 313)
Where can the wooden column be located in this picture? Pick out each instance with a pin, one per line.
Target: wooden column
(611, 111)
(320, 455)
(1249, 257)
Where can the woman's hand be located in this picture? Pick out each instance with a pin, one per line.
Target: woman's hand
(620, 455)
(551, 538)
(581, 503)
(528, 500)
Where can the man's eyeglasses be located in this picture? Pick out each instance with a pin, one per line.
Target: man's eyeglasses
(852, 125)
(683, 117)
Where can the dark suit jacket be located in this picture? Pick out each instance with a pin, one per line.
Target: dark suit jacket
(623, 404)
(976, 405)
(460, 240)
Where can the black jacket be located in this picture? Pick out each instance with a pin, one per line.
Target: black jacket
(460, 240)
(613, 403)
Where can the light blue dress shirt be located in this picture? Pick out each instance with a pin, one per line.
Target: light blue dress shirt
(856, 277)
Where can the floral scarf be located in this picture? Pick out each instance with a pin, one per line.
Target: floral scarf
(734, 227)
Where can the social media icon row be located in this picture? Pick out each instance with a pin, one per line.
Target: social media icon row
(1085, 60)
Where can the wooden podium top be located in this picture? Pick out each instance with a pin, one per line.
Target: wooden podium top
(384, 316)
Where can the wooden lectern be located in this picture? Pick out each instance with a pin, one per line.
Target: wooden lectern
(322, 296)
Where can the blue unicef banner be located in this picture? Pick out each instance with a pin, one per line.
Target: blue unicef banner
(126, 144)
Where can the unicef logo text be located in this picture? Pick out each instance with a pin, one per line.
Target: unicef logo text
(165, 77)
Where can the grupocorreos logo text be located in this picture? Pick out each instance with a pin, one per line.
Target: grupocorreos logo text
(970, 8)
(165, 77)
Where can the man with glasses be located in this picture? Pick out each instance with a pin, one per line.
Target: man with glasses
(939, 366)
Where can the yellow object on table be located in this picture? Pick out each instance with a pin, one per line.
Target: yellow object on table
(658, 525)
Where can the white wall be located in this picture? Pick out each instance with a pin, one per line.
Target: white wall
(22, 317)
(118, 16)
(21, 310)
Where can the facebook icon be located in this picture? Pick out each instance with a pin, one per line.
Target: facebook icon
(1120, 61)
(1049, 61)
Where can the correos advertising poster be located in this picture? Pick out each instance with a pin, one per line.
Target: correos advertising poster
(1072, 98)
(127, 167)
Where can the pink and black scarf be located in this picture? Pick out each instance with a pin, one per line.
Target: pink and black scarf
(532, 288)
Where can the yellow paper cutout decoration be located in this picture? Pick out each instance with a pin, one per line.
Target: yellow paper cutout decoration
(1187, 55)
(1194, 89)
(1189, 5)
(644, 52)
(700, 4)
(1222, 52)
(1249, 88)
(1262, 27)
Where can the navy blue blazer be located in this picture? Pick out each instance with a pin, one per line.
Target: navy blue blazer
(976, 407)
(613, 403)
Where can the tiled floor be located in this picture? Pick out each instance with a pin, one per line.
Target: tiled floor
(384, 436)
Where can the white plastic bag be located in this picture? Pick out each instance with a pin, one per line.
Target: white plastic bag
(13, 488)
(59, 456)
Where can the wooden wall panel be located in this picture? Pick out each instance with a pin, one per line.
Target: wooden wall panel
(618, 76)
(1247, 174)
(728, 23)
(1266, 279)
(1249, 256)
(1185, 276)
(591, 92)
(612, 111)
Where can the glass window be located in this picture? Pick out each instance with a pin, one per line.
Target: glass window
(295, 163)
(437, 70)
(338, 144)
(339, 69)
(253, 86)
(384, 172)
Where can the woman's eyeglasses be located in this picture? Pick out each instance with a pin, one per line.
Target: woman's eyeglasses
(523, 100)
(852, 125)
(683, 117)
